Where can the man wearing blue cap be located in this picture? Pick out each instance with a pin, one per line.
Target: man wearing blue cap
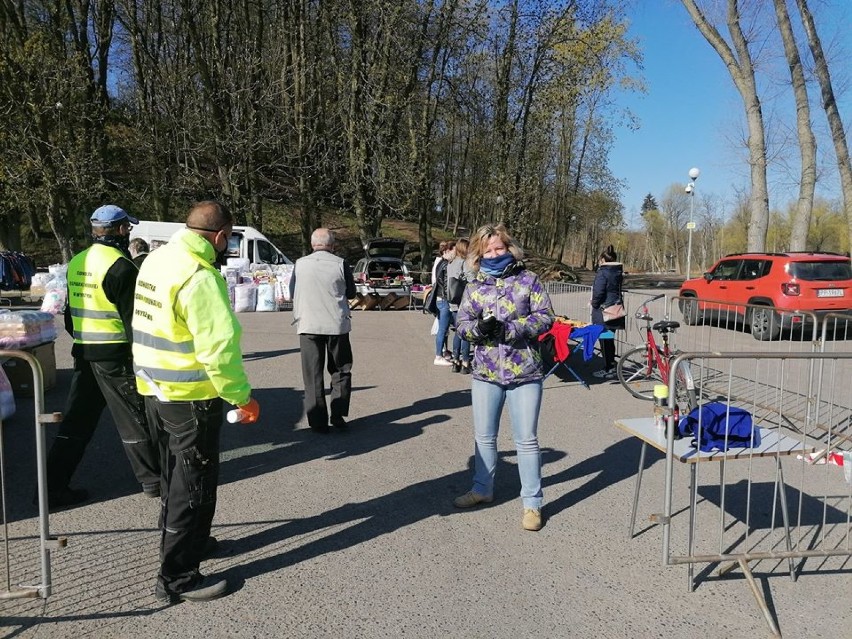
(101, 283)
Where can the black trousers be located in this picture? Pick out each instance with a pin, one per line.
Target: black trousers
(95, 385)
(314, 349)
(188, 437)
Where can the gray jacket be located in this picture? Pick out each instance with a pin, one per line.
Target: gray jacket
(321, 286)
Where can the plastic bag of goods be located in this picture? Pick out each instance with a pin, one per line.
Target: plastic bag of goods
(245, 297)
(266, 298)
(24, 329)
(55, 295)
(239, 263)
(38, 283)
(7, 397)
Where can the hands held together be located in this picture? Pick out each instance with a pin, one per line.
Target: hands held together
(490, 327)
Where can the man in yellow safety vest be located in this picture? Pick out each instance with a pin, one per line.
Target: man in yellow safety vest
(186, 348)
(101, 281)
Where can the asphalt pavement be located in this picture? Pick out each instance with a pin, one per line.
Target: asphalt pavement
(354, 534)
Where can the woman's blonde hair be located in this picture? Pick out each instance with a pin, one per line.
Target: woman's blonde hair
(479, 242)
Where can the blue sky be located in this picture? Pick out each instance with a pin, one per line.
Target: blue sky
(692, 113)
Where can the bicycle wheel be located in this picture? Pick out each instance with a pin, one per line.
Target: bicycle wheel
(635, 375)
(686, 393)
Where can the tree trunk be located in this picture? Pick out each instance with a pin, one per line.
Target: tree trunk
(742, 73)
(807, 141)
(835, 123)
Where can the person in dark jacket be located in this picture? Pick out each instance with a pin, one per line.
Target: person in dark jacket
(606, 291)
(442, 297)
(101, 283)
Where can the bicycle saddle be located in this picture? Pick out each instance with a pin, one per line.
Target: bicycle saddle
(666, 327)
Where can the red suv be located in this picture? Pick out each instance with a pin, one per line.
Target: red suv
(816, 282)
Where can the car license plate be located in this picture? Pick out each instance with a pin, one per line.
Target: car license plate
(829, 292)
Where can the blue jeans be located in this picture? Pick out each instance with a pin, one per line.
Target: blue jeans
(461, 347)
(524, 407)
(444, 319)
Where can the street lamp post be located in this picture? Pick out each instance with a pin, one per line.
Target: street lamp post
(690, 227)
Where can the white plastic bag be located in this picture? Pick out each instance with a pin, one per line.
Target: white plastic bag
(55, 295)
(7, 397)
(245, 297)
(435, 327)
(265, 298)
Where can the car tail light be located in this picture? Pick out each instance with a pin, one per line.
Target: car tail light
(791, 288)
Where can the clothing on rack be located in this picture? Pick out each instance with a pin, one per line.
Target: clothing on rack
(16, 270)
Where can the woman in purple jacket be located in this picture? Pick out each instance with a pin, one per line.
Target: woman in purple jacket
(503, 311)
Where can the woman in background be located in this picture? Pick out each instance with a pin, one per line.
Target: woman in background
(503, 311)
(441, 293)
(457, 277)
(606, 291)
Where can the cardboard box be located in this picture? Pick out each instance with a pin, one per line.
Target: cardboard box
(20, 373)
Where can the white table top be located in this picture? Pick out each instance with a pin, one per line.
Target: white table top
(772, 443)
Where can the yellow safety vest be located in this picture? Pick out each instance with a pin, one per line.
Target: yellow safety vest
(163, 349)
(94, 318)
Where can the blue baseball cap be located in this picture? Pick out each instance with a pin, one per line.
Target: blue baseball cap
(110, 214)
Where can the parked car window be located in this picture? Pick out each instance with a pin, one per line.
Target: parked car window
(751, 270)
(727, 270)
(812, 271)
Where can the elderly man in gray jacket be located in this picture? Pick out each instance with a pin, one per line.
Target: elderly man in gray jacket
(321, 286)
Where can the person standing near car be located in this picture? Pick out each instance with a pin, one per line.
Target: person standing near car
(606, 291)
(101, 280)
(186, 348)
(503, 311)
(321, 287)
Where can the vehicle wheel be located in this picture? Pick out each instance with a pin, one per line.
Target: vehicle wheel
(634, 374)
(765, 324)
(690, 311)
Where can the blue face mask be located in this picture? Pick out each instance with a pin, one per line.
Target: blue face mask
(496, 265)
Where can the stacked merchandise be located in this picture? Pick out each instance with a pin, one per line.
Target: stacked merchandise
(25, 329)
(257, 287)
(34, 333)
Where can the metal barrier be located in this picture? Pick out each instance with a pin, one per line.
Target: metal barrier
(572, 300)
(46, 542)
(716, 326)
(751, 511)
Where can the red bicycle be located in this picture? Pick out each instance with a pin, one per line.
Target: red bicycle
(642, 368)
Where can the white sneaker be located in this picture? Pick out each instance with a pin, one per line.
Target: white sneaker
(440, 361)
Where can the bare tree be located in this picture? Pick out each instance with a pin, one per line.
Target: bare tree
(807, 141)
(829, 103)
(739, 63)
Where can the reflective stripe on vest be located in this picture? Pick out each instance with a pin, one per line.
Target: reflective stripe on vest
(163, 347)
(94, 319)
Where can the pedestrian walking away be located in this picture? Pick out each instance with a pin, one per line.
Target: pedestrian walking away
(101, 281)
(186, 347)
(503, 310)
(321, 285)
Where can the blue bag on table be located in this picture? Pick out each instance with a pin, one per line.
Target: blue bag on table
(720, 423)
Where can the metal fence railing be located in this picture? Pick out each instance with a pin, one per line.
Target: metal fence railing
(786, 508)
(25, 546)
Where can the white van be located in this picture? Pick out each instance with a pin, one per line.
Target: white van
(246, 242)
